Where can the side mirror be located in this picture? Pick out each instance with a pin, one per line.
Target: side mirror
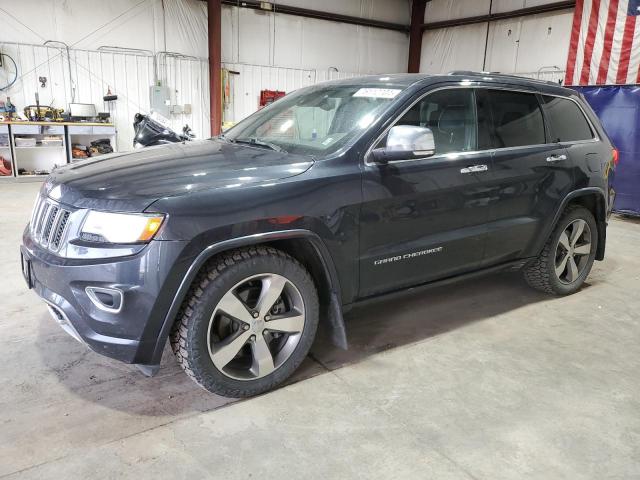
(406, 142)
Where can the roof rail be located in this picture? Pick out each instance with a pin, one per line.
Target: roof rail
(503, 75)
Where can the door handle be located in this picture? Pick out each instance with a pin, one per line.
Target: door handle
(556, 158)
(474, 168)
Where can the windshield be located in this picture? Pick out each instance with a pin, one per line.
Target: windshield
(314, 121)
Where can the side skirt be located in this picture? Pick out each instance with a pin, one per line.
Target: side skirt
(510, 266)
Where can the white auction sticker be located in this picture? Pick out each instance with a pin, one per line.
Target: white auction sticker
(377, 92)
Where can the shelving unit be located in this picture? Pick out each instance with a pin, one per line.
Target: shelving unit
(85, 134)
(6, 155)
(40, 159)
(19, 161)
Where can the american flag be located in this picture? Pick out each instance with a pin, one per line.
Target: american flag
(605, 43)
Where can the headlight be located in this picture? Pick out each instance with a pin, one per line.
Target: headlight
(120, 227)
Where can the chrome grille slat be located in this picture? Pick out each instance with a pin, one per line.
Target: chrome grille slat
(55, 244)
(43, 216)
(36, 207)
(52, 215)
(49, 223)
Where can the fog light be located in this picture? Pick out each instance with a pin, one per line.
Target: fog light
(107, 299)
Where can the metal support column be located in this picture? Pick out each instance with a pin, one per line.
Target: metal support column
(415, 35)
(215, 57)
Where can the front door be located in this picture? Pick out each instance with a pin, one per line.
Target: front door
(424, 219)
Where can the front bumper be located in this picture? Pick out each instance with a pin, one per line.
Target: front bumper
(147, 282)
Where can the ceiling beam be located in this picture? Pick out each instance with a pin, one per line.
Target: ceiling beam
(523, 12)
(317, 14)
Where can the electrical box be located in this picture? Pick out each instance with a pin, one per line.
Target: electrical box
(160, 99)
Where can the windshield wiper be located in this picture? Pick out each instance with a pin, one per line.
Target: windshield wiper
(259, 143)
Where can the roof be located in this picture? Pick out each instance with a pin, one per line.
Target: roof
(404, 80)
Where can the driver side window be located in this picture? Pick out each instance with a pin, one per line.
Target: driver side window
(450, 115)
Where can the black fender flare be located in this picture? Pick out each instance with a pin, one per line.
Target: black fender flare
(336, 319)
(601, 217)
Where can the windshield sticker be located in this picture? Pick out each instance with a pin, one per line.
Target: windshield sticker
(377, 92)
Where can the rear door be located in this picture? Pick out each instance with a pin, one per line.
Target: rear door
(531, 173)
(568, 125)
(424, 219)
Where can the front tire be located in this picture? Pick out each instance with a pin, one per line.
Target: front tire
(248, 322)
(567, 257)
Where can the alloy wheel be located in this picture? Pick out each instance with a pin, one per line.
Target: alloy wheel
(572, 251)
(256, 326)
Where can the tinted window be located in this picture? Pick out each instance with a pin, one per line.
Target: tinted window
(517, 119)
(567, 120)
(450, 116)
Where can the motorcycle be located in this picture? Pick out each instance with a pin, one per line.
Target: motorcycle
(150, 130)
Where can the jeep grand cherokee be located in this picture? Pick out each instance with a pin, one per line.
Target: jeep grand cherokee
(238, 248)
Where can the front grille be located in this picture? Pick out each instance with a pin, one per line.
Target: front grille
(49, 222)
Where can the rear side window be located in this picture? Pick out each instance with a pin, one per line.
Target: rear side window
(567, 122)
(516, 119)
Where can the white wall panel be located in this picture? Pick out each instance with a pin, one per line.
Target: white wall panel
(251, 79)
(510, 5)
(521, 45)
(544, 41)
(266, 38)
(526, 44)
(503, 47)
(246, 86)
(331, 44)
(458, 48)
(288, 41)
(382, 51)
(397, 11)
(80, 23)
(440, 10)
(256, 34)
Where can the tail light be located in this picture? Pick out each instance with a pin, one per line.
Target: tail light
(615, 156)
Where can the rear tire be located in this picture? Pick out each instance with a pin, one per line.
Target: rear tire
(567, 257)
(247, 323)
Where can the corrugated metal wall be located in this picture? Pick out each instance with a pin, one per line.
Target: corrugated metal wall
(127, 74)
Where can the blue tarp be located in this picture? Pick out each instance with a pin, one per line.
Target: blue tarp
(618, 108)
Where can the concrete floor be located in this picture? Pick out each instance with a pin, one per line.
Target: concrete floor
(485, 379)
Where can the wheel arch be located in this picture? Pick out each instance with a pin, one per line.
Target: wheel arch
(303, 245)
(594, 200)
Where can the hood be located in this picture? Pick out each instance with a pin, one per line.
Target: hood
(132, 181)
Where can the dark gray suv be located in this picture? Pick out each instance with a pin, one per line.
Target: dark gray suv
(239, 247)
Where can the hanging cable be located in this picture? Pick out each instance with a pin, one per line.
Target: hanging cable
(15, 75)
